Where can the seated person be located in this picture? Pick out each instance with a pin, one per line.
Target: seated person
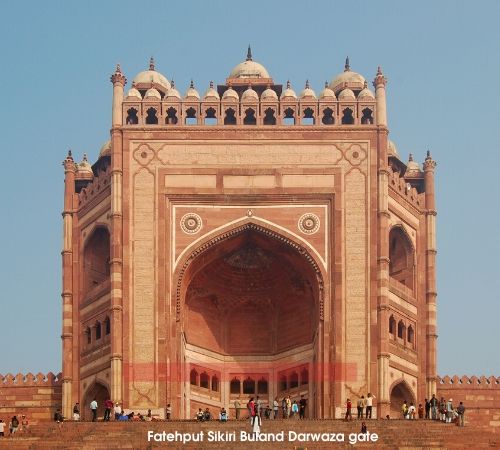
(207, 415)
(122, 416)
(58, 417)
(200, 416)
(223, 415)
(131, 416)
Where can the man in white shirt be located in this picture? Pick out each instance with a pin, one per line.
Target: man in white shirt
(369, 404)
(118, 411)
(93, 407)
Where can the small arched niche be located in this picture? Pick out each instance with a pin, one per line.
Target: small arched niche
(402, 257)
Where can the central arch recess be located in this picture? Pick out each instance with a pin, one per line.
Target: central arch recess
(250, 315)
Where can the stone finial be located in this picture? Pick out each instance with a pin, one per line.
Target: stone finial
(380, 80)
(307, 84)
(347, 67)
(429, 163)
(410, 158)
(85, 158)
(191, 85)
(118, 76)
(172, 83)
(288, 85)
(151, 63)
(365, 86)
(326, 84)
(69, 163)
(211, 84)
(249, 53)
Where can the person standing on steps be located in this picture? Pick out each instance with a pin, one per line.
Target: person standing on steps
(369, 405)
(276, 407)
(434, 407)
(237, 409)
(93, 408)
(76, 412)
(461, 413)
(302, 407)
(108, 404)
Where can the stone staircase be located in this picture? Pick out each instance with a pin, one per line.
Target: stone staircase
(392, 434)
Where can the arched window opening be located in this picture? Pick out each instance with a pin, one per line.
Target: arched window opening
(294, 380)
(250, 118)
(89, 335)
(107, 326)
(269, 117)
(234, 386)
(171, 118)
(401, 330)
(191, 117)
(308, 117)
(289, 117)
(411, 335)
(210, 117)
(304, 377)
(151, 118)
(215, 383)
(328, 118)
(96, 257)
(367, 118)
(193, 377)
(230, 118)
(283, 383)
(204, 380)
(401, 257)
(347, 118)
(132, 118)
(392, 325)
(262, 386)
(249, 386)
(97, 331)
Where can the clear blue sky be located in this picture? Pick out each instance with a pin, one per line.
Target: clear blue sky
(442, 60)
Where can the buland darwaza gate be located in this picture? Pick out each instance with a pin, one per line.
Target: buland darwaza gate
(247, 242)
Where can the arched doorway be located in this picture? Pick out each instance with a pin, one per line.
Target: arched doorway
(251, 303)
(101, 394)
(399, 393)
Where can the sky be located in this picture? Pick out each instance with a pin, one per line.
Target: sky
(442, 60)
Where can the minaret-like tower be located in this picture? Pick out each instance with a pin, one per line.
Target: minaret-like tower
(431, 294)
(116, 262)
(67, 284)
(383, 247)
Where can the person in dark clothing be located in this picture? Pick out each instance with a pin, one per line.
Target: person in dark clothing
(302, 407)
(427, 409)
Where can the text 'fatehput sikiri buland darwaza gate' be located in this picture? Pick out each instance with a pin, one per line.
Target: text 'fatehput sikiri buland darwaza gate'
(250, 241)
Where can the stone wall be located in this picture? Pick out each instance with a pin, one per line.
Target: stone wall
(37, 396)
(480, 395)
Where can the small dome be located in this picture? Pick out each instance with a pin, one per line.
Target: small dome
(152, 93)
(133, 92)
(249, 68)
(84, 169)
(307, 92)
(172, 93)
(105, 149)
(192, 92)
(392, 149)
(151, 76)
(250, 94)
(347, 94)
(288, 92)
(211, 93)
(327, 93)
(366, 93)
(348, 78)
(412, 168)
(230, 93)
(269, 94)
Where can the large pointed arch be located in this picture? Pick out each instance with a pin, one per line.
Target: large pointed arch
(214, 239)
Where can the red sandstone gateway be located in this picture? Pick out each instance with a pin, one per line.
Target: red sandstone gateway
(247, 242)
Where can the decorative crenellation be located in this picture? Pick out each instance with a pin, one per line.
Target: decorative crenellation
(29, 379)
(456, 382)
(96, 186)
(398, 184)
(248, 111)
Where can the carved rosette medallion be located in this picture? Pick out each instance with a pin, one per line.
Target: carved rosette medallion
(191, 223)
(309, 223)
